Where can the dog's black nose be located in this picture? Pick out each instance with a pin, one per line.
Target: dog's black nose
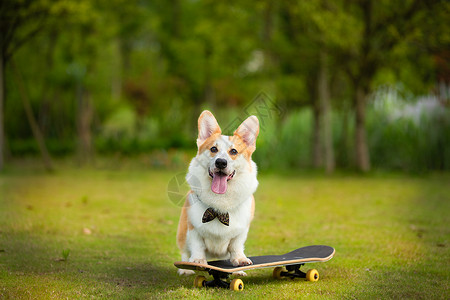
(221, 163)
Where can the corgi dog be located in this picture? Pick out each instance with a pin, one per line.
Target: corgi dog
(216, 215)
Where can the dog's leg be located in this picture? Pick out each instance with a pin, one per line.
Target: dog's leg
(185, 257)
(240, 274)
(236, 249)
(197, 247)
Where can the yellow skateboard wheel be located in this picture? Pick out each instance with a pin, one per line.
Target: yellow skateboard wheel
(277, 272)
(236, 285)
(312, 275)
(198, 282)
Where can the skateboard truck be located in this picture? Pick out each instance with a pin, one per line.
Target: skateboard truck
(293, 271)
(220, 281)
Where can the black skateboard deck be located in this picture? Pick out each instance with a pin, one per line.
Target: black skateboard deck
(221, 269)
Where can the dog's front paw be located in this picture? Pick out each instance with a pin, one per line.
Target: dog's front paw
(184, 272)
(198, 261)
(241, 261)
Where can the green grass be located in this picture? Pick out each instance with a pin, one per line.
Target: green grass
(82, 233)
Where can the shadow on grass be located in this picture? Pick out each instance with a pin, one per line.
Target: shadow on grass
(35, 265)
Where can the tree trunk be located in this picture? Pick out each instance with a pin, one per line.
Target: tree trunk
(37, 133)
(324, 99)
(209, 95)
(317, 135)
(84, 118)
(2, 101)
(345, 146)
(362, 150)
(269, 58)
(48, 91)
(123, 67)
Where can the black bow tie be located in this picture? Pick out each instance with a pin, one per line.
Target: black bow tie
(210, 214)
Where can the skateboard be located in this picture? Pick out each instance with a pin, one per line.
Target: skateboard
(220, 270)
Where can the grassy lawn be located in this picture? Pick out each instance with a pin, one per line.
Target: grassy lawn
(81, 233)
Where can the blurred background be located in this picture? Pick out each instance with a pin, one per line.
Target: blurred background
(341, 84)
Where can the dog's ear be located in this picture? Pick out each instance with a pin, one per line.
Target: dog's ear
(248, 131)
(207, 126)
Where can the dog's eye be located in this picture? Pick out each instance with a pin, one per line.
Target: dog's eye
(233, 151)
(214, 149)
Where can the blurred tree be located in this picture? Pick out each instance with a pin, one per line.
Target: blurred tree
(130, 75)
(31, 118)
(88, 28)
(323, 86)
(20, 22)
(382, 25)
(315, 30)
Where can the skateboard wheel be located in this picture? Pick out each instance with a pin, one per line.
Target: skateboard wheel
(312, 275)
(199, 280)
(277, 272)
(236, 285)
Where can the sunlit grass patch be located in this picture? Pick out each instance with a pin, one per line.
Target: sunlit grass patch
(85, 233)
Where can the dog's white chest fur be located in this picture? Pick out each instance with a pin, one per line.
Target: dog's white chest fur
(217, 236)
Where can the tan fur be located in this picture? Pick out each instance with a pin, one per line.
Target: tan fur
(253, 208)
(184, 225)
(215, 134)
(241, 147)
(209, 142)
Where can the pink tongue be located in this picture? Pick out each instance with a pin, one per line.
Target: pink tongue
(219, 183)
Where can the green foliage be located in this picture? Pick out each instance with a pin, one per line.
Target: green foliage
(65, 254)
(402, 136)
(285, 144)
(149, 68)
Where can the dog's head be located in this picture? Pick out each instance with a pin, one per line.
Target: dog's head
(225, 157)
